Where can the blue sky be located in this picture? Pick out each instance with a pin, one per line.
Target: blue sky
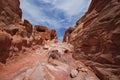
(55, 14)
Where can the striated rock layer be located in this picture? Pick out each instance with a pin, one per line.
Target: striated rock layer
(53, 61)
(34, 53)
(17, 35)
(10, 11)
(96, 38)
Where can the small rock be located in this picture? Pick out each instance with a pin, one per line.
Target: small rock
(82, 69)
(73, 73)
(45, 48)
(66, 51)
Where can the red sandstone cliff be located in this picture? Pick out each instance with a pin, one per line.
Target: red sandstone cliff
(96, 38)
(96, 41)
(10, 11)
(34, 53)
(15, 34)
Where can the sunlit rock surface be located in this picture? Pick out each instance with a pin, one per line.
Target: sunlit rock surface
(17, 35)
(42, 63)
(28, 53)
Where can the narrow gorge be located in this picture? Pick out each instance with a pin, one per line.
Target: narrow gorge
(89, 51)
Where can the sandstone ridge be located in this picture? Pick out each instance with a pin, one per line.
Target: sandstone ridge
(96, 38)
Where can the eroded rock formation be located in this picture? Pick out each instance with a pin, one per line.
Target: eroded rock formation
(53, 61)
(96, 38)
(45, 33)
(35, 53)
(10, 12)
(17, 35)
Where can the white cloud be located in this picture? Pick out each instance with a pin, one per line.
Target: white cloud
(55, 14)
(70, 7)
(50, 1)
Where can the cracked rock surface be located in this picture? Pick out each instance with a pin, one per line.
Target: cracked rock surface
(37, 64)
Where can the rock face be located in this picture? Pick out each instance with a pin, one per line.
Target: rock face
(5, 44)
(44, 32)
(36, 54)
(5, 41)
(96, 36)
(67, 34)
(10, 11)
(15, 34)
(28, 27)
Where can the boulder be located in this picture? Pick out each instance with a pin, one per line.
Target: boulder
(44, 32)
(53, 34)
(29, 41)
(37, 40)
(5, 44)
(17, 42)
(38, 28)
(12, 29)
(5, 41)
(74, 73)
(28, 27)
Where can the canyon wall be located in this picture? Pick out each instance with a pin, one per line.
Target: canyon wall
(17, 35)
(10, 12)
(96, 38)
